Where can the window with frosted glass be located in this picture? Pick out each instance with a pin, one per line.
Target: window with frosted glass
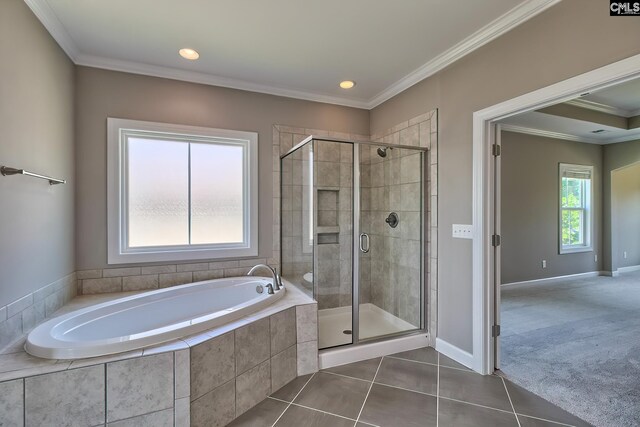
(180, 196)
(184, 193)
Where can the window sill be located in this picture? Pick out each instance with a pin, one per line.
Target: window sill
(575, 250)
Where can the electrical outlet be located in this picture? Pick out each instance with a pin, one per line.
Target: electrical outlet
(624, 254)
(544, 263)
(462, 231)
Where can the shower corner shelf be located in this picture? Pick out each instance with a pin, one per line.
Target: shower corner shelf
(328, 229)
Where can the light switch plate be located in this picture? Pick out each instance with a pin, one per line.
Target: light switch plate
(462, 231)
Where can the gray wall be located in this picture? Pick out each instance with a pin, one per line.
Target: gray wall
(555, 45)
(616, 156)
(530, 207)
(102, 94)
(36, 118)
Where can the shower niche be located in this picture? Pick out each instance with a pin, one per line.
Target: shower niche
(336, 242)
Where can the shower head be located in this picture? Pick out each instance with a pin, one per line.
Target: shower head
(382, 151)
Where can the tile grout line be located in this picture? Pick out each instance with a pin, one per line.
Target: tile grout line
(438, 394)
(544, 419)
(446, 398)
(346, 376)
(510, 401)
(294, 398)
(431, 364)
(318, 410)
(368, 391)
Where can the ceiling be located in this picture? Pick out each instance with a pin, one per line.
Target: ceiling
(625, 98)
(301, 49)
(622, 100)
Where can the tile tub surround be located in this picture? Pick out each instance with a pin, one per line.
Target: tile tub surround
(124, 279)
(176, 382)
(21, 316)
(418, 388)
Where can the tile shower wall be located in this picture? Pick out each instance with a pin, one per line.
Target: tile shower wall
(333, 167)
(394, 187)
(396, 291)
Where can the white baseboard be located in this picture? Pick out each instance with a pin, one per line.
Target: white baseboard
(609, 273)
(628, 269)
(350, 354)
(558, 278)
(455, 353)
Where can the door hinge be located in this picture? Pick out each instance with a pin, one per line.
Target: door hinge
(497, 149)
(495, 331)
(495, 240)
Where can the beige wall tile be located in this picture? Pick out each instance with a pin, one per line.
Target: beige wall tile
(12, 403)
(212, 364)
(100, 286)
(139, 386)
(252, 343)
(73, 397)
(139, 283)
(216, 408)
(172, 279)
(252, 387)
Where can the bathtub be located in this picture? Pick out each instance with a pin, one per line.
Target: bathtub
(149, 318)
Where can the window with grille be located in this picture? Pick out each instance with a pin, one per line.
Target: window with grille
(575, 208)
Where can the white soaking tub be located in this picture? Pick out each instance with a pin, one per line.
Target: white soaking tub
(149, 318)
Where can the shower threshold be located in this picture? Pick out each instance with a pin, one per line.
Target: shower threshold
(335, 324)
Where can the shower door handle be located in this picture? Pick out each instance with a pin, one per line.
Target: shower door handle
(364, 243)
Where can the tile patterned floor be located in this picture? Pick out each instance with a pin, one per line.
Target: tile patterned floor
(413, 388)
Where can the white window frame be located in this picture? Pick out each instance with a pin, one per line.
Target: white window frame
(118, 130)
(587, 245)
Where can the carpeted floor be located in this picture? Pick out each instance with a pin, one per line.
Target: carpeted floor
(576, 343)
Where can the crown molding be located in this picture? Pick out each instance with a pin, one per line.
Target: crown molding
(602, 108)
(50, 21)
(496, 28)
(568, 137)
(209, 79)
(493, 30)
(547, 134)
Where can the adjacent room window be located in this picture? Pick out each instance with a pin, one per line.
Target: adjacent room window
(576, 215)
(180, 192)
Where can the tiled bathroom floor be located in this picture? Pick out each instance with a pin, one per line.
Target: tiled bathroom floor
(414, 388)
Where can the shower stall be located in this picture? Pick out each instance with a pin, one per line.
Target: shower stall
(353, 236)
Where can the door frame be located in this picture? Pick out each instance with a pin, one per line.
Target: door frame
(485, 201)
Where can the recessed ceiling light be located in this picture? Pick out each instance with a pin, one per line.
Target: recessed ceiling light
(189, 54)
(347, 84)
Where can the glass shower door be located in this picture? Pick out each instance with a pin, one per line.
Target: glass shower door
(333, 239)
(390, 241)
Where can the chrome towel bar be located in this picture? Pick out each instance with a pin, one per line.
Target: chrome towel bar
(6, 170)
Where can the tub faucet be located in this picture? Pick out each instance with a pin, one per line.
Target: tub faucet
(277, 281)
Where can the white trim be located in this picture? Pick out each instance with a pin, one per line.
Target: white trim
(628, 269)
(482, 283)
(555, 278)
(602, 108)
(42, 10)
(350, 354)
(455, 353)
(505, 23)
(117, 241)
(511, 19)
(547, 134)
